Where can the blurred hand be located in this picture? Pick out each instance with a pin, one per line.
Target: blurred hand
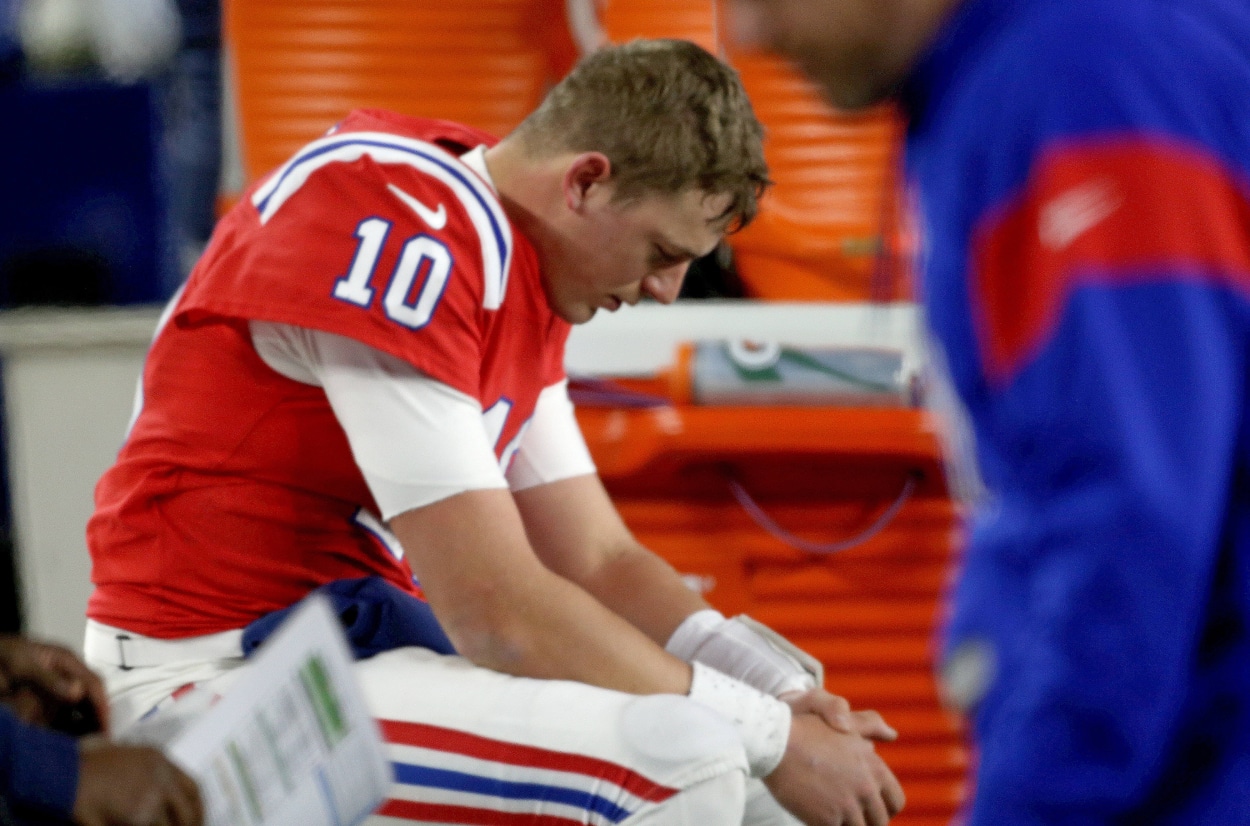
(836, 711)
(132, 786)
(831, 778)
(40, 680)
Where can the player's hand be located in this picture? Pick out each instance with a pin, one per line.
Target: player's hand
(837, 712)
(831, 778)
(41, 681)
(132, 786)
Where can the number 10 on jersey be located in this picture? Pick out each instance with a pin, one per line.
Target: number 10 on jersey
(421, 254)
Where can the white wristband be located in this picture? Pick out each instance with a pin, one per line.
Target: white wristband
(762, 721)
(745, 650)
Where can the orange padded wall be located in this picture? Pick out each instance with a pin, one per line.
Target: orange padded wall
(827, 230)
(300, 65)
(695, 20)
(870, 612)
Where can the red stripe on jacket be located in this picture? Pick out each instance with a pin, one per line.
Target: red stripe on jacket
(1116, 212)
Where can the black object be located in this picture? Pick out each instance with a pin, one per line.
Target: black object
(57, 275)
(76, 719)
(713, 276)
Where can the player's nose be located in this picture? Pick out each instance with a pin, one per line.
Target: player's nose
(664, 286)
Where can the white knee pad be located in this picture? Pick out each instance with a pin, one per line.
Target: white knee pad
(668, 730)
(701, 748)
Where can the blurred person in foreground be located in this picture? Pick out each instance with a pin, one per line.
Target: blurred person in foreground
(56, 765)
(10, 43)
(1083, 175)
(363, 380)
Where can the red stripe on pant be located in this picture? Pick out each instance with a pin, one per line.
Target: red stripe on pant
(445, 813)
(500, 751)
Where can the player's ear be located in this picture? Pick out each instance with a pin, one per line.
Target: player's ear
(585, 172)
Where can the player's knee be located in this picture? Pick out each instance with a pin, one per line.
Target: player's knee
(670, 729)
(698, 752)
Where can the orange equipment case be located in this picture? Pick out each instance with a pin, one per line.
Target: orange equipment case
(869, 612)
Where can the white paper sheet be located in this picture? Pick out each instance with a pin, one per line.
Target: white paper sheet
(292, 742)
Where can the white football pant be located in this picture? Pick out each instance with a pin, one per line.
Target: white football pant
(473, 746)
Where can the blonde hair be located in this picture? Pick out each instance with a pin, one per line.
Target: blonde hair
(669, 117)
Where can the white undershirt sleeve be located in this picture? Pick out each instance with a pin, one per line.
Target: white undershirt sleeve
(416, 440)
(552, 447)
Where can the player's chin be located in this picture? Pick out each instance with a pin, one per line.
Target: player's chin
(576, 313)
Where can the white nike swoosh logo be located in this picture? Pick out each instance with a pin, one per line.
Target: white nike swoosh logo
(1076, 211)
(436, 218)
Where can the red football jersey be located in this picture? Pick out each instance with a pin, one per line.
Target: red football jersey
(235, 493)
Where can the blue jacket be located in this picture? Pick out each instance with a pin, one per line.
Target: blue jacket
(1083, 170)
(38, 772)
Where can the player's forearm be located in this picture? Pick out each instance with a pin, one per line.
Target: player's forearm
(645, 590)
(576, 532)
(503, 609)
(550, 628)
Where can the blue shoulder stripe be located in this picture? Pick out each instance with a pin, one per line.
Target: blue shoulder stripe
(478, 200)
